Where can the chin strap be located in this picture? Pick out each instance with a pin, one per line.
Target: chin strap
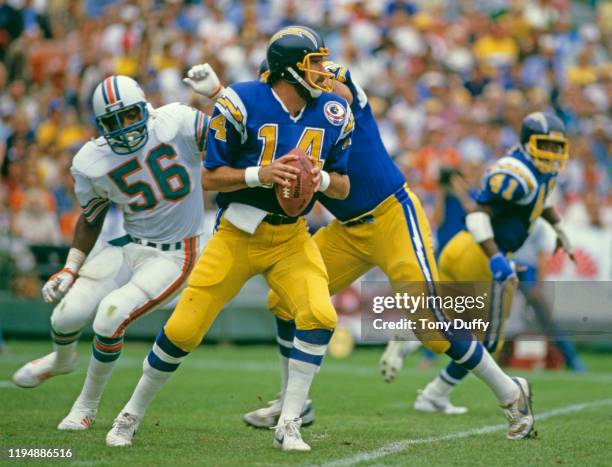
(314, 93)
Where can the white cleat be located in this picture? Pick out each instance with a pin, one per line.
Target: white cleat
(79, 418)
(37, 371)
(123, 430)
(520, 413)
(432, 404)
(287, 436)
(393, 357)
(267, 417)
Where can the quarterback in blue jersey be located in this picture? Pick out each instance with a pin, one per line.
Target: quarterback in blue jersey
(253, 128)
(515, 192)
(382, 223)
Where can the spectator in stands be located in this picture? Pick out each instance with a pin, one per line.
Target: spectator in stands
(34, 222)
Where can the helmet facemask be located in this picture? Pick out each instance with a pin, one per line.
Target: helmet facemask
(129, 138)
(314, 81)
(549, 152)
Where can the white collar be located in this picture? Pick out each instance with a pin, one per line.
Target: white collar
(299, 114)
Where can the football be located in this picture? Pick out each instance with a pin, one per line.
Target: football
(295, 198)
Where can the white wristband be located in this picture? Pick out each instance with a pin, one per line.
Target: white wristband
(479, 225)
(325, 180)
(251, 177)
(75, 260)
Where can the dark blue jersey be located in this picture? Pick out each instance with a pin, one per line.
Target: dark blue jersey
(373, 175)
(516, 192)
(250, 126)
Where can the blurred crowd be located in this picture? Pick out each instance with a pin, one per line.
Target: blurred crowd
(449, 82)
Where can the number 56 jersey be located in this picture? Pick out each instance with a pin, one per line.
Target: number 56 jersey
(158, 188)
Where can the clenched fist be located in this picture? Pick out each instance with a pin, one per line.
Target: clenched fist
(203, 80)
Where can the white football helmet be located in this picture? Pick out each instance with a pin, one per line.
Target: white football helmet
(122, 112)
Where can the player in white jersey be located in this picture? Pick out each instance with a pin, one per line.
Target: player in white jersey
(148, 162)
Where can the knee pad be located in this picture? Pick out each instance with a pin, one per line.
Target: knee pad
(188, 323)
(324, 316)
(70, 316)
(182, 335)
(109, 317)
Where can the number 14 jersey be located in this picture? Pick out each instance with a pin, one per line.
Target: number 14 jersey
(158, 188)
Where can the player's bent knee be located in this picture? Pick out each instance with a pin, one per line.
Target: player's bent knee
(192, 317)
(109, 317)
(323, 317)
(68, 317)
(182, 336)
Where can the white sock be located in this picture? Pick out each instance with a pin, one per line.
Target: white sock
(149, 385)
(284, 364)
(500, 383)
(438, 388)
(98, 374)
(300, 378)
(63, 354)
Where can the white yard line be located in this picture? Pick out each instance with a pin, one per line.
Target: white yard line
(399, 446)
(329, 366)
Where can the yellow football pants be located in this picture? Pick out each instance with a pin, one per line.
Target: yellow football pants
(286, 255)
(397, 240)
(463, 260)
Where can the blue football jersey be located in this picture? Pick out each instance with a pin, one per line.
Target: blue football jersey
(250, 126)
(373, 174)
(516, 192)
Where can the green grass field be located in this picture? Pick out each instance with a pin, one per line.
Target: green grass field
(196, 419)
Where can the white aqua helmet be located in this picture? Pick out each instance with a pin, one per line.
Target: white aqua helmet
(115, 98)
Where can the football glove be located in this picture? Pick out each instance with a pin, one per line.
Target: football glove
(204, 81)
(58, 284)
(501, 267)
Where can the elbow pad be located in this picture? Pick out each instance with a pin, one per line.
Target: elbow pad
(479, 225)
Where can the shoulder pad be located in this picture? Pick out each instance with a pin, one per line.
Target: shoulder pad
(90, 158)
(231, 105)
(167, 120)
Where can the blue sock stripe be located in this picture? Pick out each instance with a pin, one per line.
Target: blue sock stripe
(167, 346)
(475, 358)
(285, 329)
(160, 365)
(314, 336)
(297, 354)
(458, 348)
(456, 371)
(446, 380)
(284, 351)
